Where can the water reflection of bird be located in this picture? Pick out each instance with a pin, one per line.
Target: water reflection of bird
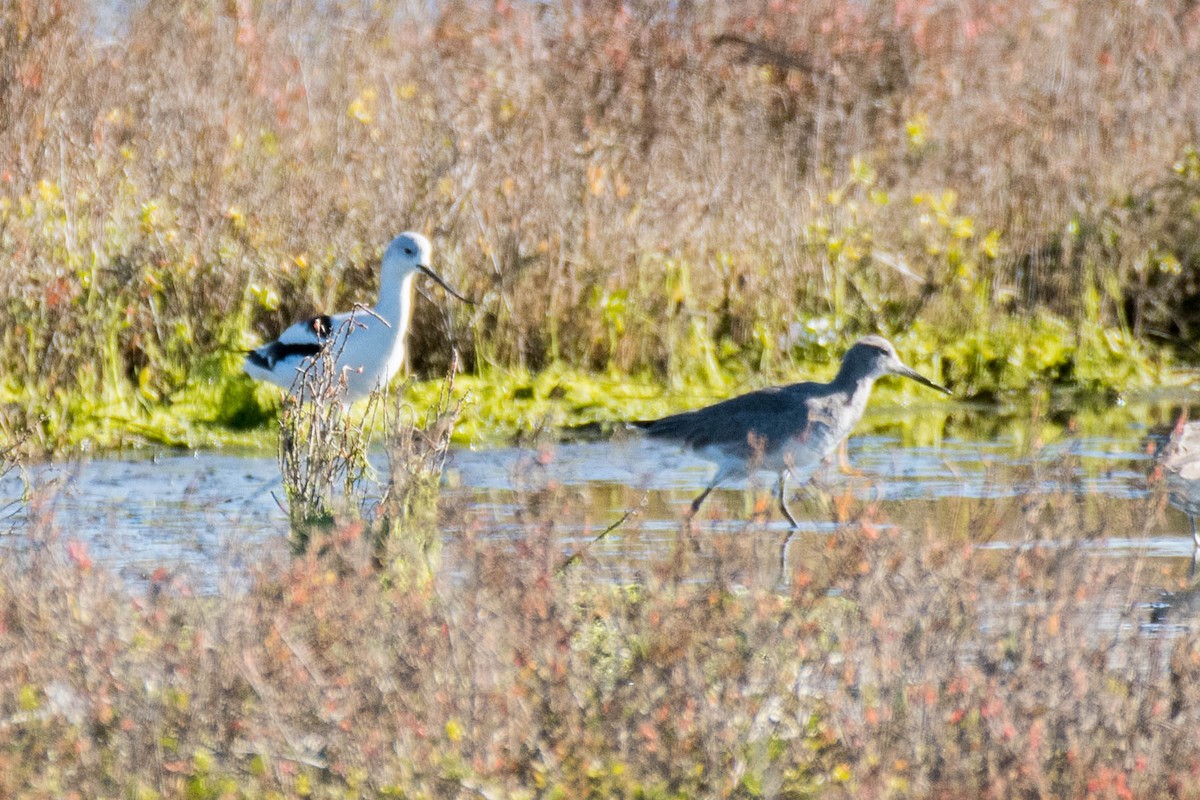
(784, 429)
(367, 345)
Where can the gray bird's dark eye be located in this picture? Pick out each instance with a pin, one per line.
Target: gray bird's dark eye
(408, 251)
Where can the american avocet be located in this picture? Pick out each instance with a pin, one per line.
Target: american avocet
(784, 429)
(367, 345)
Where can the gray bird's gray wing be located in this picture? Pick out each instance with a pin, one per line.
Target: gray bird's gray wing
(770, 416)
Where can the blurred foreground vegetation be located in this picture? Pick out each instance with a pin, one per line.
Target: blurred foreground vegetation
(695, 196)
(995, 648)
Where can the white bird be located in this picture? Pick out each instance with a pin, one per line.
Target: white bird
(367, 345)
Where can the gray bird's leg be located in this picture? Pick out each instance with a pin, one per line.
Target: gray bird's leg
(723, 474)
(1195, 547)
(791, 531)
(700, 500)
(783, 498)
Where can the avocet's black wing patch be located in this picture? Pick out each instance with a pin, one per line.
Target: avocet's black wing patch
(322, 325)
(267, 356)
(313, 330)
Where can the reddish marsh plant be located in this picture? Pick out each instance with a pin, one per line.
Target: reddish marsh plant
(997, 650)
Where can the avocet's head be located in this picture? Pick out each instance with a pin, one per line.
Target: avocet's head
(411, 252)
(873, 357)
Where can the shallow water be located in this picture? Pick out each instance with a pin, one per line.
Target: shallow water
(209, 515)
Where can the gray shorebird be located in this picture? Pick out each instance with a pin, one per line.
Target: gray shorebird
(1180, 464)
(784, 429)
(367, 345)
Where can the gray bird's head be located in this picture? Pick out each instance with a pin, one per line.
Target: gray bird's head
(873, 357)
(411, 252)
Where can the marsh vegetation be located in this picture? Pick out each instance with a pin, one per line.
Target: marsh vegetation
(693, 195)
(992, 644)
(655, 204)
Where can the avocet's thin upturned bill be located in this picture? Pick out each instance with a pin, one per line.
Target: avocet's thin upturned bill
(367, 346)
(784, 429)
